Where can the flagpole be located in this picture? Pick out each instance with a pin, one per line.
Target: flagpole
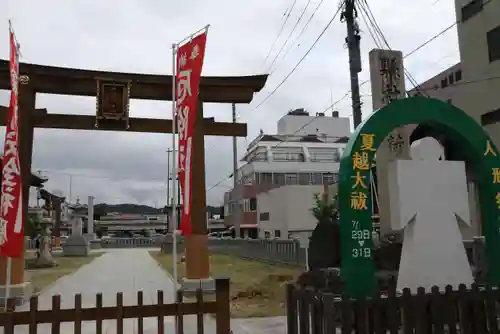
(174, 166)
(205, 29)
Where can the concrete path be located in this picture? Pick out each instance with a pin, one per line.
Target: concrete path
(124, 270)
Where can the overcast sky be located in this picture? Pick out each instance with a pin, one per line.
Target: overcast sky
(136, 36)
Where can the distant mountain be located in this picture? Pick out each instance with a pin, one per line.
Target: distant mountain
(142, 209)
(128, 208)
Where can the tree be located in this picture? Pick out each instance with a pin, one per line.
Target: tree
(326, 234)
(325, 209)
(32, 227)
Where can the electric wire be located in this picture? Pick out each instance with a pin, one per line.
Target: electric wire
(365, 8)
(289, 35)
(300, 61)
(287, 14)
(302, 31)
(376, 32)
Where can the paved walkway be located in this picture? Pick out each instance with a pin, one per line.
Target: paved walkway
(128, 271)
(124, 270)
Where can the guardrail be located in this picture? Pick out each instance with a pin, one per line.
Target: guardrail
(113, 243)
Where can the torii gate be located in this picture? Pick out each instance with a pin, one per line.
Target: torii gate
(113, 91)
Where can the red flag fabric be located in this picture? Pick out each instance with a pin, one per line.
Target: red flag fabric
(11, 204)
(189, 66)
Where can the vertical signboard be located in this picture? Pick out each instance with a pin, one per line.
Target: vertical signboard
(388, 84)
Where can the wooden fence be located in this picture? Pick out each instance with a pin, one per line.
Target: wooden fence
(56, 316)
(473, 311)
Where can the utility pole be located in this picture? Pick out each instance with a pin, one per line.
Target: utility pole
(353, 39)
(169, 177)
(236, 189)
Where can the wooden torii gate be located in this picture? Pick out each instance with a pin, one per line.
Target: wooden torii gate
(113, 91)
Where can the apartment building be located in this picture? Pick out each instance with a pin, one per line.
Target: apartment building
(304, 154)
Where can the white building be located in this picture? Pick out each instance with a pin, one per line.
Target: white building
(283, 169)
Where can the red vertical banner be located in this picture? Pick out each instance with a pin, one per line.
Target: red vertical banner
(189, 66)
(11, 204)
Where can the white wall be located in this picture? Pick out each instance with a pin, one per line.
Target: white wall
(289, 209)
(307, 125)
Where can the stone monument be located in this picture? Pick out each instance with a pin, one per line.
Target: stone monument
(76, 244)
(90, 219)
(429, 199)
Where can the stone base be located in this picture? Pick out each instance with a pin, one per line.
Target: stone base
(90, 236)
(95, 244)
(190, 286)
(76, 246)
(21, 292)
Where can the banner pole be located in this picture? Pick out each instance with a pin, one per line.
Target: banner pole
(190, 37)
(174, 181)
(8, 282)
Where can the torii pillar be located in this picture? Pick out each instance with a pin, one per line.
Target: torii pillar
(196, 250)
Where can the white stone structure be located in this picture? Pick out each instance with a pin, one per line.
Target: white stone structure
(428, 200)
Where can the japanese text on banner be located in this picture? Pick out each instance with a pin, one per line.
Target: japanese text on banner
(189, 66)
(11, 219)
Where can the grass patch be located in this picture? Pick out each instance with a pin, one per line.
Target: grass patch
(42, 278)
(257, 289)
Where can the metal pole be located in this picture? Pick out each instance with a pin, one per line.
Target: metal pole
(178, 200)
(353, 39)
(168, 189)
(174, 172)
(236, 188)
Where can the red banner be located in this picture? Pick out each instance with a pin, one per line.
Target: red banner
(11, 205)
(189, 65)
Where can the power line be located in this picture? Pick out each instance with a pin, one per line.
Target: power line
(286, 141)
(289, 35)
(377, 42)
(300, 61)
(429, 40)
(365, 7)
(302, 31)
(112, 178)
(287, 14)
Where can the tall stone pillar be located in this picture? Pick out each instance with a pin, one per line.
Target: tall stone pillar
(90, 218)
(388, 84)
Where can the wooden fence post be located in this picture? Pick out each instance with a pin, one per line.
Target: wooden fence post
(291, 310)
(222, 299)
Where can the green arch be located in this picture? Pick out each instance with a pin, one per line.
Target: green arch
(357, 266)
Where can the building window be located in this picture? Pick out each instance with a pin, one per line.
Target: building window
(444, 83)
(264, 217)
(458, 75)
(288, 156)
(324, 155)
(493, 38)
(259, 156)
(451, 79)
(330, 178)
(304, 178)
(291, 179)
(491, 117)
(279, 179)
(277, 233)
(471, 9)
(253, 204)
(265, 178)
(317, 178)
(267, 234)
